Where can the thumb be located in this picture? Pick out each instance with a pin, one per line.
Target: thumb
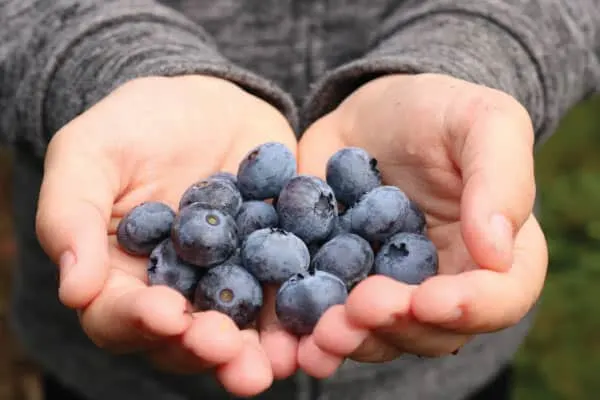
(74, 209)
(496, 161)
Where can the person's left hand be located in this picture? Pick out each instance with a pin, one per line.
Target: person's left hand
(464, 153)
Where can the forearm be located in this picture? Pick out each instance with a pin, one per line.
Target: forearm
(60, 57)
(542, 52)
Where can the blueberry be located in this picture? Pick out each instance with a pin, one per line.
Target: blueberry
(378, 214)
(255, 215)
(265, 170)
(415, 219)
(145, 227)
(407, 257)
(204, 237)
(313, 248)
(304, 298)
(236, 257)
(352, 172)
(165, 268)
(347, 256)
(225, 175)
(273, 255)
(231, 290)
(307, 207)
(340, 227)
(213, 193)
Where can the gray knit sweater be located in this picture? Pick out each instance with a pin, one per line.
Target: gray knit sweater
(59, 57)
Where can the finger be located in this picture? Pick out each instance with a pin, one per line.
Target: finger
(321, 353)
(280, 346)
(74, 208)
(384, 306)
(250, 372)
(375, 350)
(173, 358)
(377, 302)
(481, 301)
(492, 141)
(348, 337)
(317, 145)
(316, 362)
(410, 336)
(212, 339)
(127, 316)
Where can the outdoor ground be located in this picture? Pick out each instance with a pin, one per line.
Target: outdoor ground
(561, 358)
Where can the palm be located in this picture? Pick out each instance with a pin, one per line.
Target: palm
(164, 176)
(148, 141)
(462, 152)
(419, 141)
(437, 190)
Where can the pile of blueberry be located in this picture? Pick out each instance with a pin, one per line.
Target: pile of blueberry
(314, 239)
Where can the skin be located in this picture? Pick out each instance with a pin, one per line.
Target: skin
(463, 152)
(142, 143)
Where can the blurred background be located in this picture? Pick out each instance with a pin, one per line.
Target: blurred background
(561, 358)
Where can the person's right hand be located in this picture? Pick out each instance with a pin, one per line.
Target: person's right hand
(148, 141)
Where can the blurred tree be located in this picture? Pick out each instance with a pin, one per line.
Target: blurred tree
(561, 357)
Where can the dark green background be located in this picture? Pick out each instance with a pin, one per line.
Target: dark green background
(561, 357)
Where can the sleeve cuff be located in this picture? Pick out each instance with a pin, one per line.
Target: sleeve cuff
(104, 52)
(466, 47)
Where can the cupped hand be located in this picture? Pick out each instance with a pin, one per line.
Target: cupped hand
(464, 153)
(148, 141)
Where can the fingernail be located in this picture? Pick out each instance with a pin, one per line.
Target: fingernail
(502, 233)
(66, 263)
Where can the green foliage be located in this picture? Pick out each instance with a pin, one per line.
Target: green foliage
(561, 357)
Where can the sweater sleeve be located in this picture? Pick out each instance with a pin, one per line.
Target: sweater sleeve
(545, 53)
(59, 57)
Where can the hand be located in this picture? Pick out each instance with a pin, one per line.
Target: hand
(464, 153)
(150, 140)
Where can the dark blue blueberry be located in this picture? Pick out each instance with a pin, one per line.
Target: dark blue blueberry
(347, 256)
(340, 227)
(379, 214)
(145, 227)
(307, 207)
(236, 257)
(165, 268)
(303, 299)
(204, 237)
(265, 170)
(313, 248)
(213, 193)
(273, 255)
(407, 257)
(255, 215)
(231, 290)
(225, 175)
(352, 172)
(415, 219)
